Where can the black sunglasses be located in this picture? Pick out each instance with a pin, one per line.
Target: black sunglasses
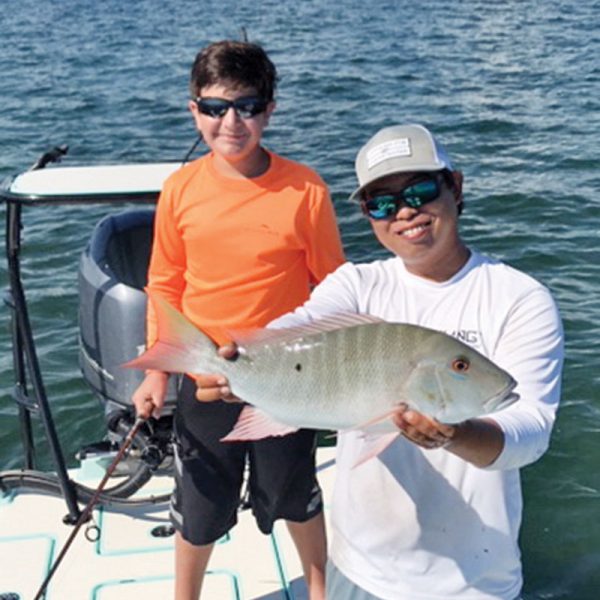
(246, 108)
(387, 204)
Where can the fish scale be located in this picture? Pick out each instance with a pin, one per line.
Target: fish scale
(328, 376)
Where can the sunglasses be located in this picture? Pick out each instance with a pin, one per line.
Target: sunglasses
(246, 108)
(387, 204)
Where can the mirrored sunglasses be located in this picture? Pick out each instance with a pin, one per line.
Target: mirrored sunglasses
(246, 108)
(386, 205)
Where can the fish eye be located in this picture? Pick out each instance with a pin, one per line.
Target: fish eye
(461, 365)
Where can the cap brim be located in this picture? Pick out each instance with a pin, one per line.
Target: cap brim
(354, 196)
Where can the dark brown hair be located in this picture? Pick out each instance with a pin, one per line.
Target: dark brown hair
(236, 65)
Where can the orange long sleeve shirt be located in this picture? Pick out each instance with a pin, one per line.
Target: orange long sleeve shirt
(237, 253)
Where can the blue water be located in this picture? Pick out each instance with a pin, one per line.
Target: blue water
(511, 87)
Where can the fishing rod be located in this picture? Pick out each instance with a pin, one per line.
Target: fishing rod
(90, 505)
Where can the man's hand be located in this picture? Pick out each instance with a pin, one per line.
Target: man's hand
(478, 441)
(423, 430)
(211, 387)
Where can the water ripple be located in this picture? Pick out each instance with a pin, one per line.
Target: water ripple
(512, 88)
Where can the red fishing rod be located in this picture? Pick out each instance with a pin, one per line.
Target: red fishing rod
(90, 505)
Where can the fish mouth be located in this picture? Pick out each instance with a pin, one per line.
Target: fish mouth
(502, 399)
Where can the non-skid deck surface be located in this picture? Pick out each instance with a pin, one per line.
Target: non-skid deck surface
(129, 559)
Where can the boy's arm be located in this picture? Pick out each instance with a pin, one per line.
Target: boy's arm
(165, 276)
(167, 260)
(324, 251)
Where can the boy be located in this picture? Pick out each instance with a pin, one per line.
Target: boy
(241, 236)
(436, 515)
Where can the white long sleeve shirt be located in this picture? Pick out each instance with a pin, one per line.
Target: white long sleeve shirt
(415, 524)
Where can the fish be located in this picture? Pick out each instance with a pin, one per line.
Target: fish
(344, 372)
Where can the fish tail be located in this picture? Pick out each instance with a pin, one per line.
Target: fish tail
(180, 346)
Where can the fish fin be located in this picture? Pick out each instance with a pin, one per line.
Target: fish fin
(180, 347)
(331, 323)
(254, 424)
(375, 421)
(173, 327)
(376, 447)
(164, 357)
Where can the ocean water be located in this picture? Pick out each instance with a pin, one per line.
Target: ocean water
(512, 88)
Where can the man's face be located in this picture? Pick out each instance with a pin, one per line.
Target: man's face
(422, 236)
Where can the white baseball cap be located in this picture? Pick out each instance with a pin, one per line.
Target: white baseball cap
(398, 149)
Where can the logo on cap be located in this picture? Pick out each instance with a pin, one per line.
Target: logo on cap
(399, 148)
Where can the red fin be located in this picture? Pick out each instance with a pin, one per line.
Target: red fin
(253, 424)
(180, 347)
(172, 326)
(377, 446)
(164, 357)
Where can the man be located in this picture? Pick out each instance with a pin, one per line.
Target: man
(436, 516)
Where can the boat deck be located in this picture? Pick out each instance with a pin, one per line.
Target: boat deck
(130, 558)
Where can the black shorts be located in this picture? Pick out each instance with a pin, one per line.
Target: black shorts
(209, 473)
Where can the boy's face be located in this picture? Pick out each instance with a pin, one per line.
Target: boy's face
(425, 237)
(231, 137)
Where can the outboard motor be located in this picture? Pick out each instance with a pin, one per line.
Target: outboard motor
(112, 309)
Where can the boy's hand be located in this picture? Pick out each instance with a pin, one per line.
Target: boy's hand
(213, 387)
(149, 398)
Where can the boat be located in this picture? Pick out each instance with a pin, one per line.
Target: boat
(125, 548)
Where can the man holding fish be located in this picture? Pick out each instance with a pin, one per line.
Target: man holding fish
(427, 501)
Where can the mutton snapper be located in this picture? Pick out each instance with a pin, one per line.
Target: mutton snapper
(347, 372)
